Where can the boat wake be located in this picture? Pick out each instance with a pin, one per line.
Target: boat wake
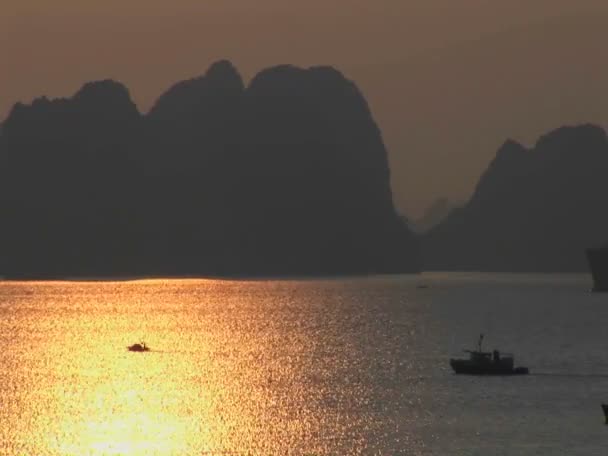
(565, 374)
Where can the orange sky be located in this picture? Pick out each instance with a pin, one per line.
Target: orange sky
(52, 47)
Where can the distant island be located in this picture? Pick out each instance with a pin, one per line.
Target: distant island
(433, 215)
(285, 176)
(533, 210)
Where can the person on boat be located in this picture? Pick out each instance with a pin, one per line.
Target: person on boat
(496, 356)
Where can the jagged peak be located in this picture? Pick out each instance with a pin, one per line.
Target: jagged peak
(16, 110)
(222, 78)
(41, 101)
(511, 147)
(103, 88)
(287, 77)
(509, 159)
(40, 105)
(224, 74)
(103, 93)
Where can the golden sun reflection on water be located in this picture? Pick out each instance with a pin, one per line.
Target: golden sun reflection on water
(242, 368)
(98, 398)
(312, 367)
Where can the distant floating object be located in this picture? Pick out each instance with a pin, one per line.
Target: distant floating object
(605, 409)
(598, 263)
(141, 347)
(422, 286)
(487, 363)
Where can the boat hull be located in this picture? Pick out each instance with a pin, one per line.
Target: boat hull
(598, 263)
(138, 348)
(468, 368)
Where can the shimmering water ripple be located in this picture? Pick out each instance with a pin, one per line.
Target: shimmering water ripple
(326, 367)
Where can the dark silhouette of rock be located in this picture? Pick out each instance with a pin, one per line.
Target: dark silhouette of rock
(458, 100)
(65, 183)
(533, 210)
(286, 176)
(315, 165)
(188, 155)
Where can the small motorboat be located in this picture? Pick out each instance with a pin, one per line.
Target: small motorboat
(141, 347)
(605, 409)
(487, 363)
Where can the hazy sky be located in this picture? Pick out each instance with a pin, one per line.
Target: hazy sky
(52, 47)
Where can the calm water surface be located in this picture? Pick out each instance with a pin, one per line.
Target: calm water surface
(316, 367)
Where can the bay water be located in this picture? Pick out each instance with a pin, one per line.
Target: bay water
(342, 366)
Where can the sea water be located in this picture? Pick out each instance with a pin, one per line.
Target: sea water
(302, 367)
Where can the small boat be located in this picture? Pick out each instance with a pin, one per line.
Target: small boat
(487, 363)
(605, 409)
(141, 347)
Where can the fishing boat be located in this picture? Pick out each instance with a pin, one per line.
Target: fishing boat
(487, 363)
(141, 347)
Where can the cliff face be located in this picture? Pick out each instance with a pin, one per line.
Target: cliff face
(65, 181)
(533, 210)
(286, 176)
(314, 191)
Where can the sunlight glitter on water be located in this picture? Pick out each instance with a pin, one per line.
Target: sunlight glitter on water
(326, 367)
(206, 386)
(92, 396)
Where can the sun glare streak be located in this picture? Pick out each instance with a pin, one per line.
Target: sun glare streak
(252, 367)
(102, 399)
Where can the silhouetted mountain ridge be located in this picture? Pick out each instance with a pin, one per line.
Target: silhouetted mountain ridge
(459, 101)
(532, 210)
(221, 78)
(288, 175)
